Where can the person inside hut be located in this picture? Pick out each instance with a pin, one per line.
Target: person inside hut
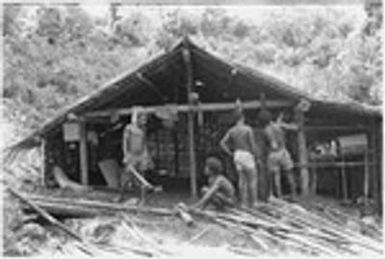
(135, 154)
(278, 157)
(239, 143)
(220, 192)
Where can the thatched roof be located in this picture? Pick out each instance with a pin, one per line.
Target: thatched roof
(167, 72)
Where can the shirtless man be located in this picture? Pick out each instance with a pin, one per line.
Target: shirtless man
(278, 155)
(220, 192)
(239, 142)
(135, 154)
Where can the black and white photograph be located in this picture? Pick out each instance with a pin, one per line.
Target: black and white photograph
(192, 129)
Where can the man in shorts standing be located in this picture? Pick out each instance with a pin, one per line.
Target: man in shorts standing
(278, 156)
(239, 142)
(135, 153)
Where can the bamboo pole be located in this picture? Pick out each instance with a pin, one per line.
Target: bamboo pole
(302, 152)
(190, 118)
(185, 108)
(63, 202)
(344, 181)
(375, 154)
(366, 176)
(332, 164)
(43, 161)
(83, 154)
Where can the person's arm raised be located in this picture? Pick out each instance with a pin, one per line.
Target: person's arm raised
(285, 125)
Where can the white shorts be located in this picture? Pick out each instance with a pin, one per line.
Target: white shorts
(243, 160)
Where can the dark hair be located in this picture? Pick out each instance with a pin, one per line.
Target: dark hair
(265, 116)
(215, 165)
(237, 115)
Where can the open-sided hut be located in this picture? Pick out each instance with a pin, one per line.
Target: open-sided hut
(200, 89)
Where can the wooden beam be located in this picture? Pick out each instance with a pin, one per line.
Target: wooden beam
(151, 86)
(190, 117)
(335, 128)
(331, 164)
(83, 154)
(302, 151)
(205, 107)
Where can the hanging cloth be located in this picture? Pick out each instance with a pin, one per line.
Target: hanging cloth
(168, 114)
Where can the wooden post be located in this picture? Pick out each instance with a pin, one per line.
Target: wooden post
(344, 181)
(366, 176)
(302, 152)
(43, 161)
(313, 185)
(176, 151)
(373, 161)
(378, 171)
(83, 153)
(190, 118)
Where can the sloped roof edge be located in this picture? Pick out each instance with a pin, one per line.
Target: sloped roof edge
(86, 101)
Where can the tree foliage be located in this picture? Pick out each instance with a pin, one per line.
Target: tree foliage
(63, 53)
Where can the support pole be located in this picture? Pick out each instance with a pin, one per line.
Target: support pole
(190, 117)
(366, 176)
(43, 161)
(373, 161)
(344, 182)
(83, 154)
(302, 152)
(378, 167)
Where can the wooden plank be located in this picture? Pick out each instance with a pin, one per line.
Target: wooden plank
(302, 152)
(83, 154)
(190, 118)
(205, 107)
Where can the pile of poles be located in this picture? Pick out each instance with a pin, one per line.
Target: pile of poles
(273, 227)
(281, 226)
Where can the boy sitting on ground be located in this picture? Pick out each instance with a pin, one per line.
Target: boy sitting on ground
(220, 193)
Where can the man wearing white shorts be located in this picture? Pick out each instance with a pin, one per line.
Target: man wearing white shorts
(239, 142)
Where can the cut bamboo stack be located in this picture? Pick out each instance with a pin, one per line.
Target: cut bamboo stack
(274, 226)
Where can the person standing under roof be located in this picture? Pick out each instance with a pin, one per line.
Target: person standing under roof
(135, 153)
(239, 143)
(278, 155)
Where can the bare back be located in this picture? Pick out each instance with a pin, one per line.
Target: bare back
(275, 136)
(240, 138)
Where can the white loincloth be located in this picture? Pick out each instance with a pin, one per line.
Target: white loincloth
(243, 160)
